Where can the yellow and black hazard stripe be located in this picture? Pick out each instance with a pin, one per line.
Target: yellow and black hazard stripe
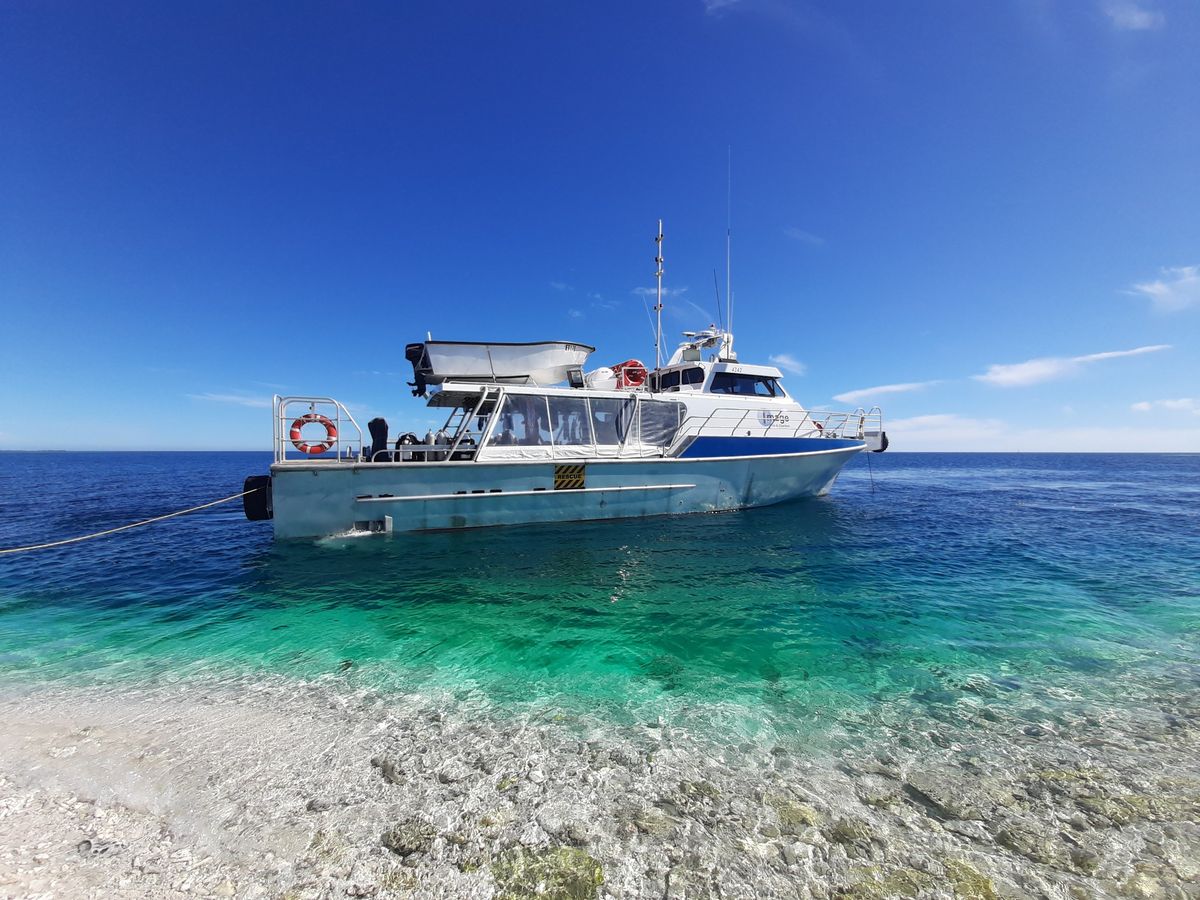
(569, 478)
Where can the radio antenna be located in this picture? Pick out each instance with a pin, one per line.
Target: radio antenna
(717, 291)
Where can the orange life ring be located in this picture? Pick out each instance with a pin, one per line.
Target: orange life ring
(630, 373)
(313, 449)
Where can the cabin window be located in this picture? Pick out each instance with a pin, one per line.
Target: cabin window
(524, 422)
(745, 385)
(611, 419)
(660, 420)
(672, 380)
(570, 420)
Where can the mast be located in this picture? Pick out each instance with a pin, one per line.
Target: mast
(658, 262)
(729, 244)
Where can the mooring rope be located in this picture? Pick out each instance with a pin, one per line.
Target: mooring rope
(88, 537)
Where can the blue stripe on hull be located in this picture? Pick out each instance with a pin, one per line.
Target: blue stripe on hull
(711, 446)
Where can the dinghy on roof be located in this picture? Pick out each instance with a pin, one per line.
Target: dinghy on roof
(539, 362)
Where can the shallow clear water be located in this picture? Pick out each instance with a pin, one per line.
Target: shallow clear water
(1018, 581)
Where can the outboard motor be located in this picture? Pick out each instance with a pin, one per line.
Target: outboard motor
(379, 444)
(257, 502)
(415, 354)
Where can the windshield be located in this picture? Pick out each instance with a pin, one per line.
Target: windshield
(745, 385)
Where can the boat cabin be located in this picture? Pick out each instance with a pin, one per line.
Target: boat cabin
(529, 422)
(719, 378)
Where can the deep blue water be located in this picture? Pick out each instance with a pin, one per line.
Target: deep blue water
(1018, 579)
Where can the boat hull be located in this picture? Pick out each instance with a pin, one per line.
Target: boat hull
(325, 498)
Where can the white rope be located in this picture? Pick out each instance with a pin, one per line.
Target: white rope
(88, 537)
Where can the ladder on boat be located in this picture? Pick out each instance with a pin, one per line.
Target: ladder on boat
(460, 417)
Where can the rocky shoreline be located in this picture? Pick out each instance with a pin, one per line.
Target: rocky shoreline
(314, 790)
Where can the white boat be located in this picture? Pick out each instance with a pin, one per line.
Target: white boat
(544, 362)
(529, 437)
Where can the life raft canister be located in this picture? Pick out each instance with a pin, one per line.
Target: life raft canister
(630, 373)
(313, 449)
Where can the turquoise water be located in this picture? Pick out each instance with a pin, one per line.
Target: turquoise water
(1023, 582)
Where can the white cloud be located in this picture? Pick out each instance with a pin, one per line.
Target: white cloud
(805, 237)
(945, 424)
(1126, 15)
(560, 286)
(864, 393)
(1178, 289)
(788, 363)
(716, 7)
(575, 313)
(236, 399)
(1183, 404)
(705, 315)
(951, 432)
(676, 295)
(653, 292)
(1036, 371)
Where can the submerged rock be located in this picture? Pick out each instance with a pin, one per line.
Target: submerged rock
(1144, 882)
(561, 819)
(850, 832)
(942, 796)
(874, 790)
(793, 817)
(408, 838)
(968, 882)
(553, 873)
(699, 790)
(654, 822)
(872, 883)
(1033, 841)
(452, 772)
(388, 769)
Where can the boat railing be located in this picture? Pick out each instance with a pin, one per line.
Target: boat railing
(307, 416)
(729, 421)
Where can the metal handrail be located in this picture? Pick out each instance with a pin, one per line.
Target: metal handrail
(722, 421)
(462, 431)
(843, 425)
(283, 420)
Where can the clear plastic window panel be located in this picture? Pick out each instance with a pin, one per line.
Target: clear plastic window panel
(570, 420)
(611, 419)
(660, 420)
(524, 422)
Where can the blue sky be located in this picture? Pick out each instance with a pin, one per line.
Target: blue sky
(984, 217)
